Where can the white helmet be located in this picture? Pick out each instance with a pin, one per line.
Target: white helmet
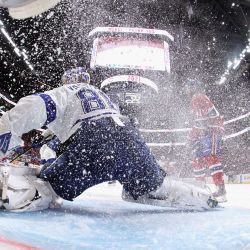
(76, 75)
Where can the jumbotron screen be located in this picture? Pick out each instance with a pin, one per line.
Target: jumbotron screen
(130, 53)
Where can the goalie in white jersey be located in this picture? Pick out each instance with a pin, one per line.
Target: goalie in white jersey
(98, 145)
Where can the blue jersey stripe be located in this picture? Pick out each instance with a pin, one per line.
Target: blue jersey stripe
(4, 142)
(50, 108)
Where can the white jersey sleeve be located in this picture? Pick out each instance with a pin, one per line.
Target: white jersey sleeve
(61, 110)
(28, 114)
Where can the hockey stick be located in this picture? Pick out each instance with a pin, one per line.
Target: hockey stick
(26, 151)
(7, 99)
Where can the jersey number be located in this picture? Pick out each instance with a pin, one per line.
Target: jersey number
(92, 100)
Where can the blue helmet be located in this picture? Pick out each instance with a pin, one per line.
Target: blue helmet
(76, 75)
(193, 85)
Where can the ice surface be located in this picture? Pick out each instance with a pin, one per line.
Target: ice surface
(99, 219)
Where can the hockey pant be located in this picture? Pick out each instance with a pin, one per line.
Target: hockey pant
(207, 152)
(103, 151)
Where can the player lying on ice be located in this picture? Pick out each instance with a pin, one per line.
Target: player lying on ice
(99, 145)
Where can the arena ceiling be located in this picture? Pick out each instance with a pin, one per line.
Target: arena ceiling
(210, 38)
(208, 34)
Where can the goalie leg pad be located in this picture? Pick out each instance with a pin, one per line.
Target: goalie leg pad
(19, 193)
(178, 194)
(25, 192)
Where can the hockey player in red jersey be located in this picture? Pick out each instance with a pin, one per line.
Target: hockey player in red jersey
(206, 138)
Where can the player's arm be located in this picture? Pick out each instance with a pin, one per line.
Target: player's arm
(31, 112)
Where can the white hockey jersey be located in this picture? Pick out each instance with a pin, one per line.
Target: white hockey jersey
(61, 110)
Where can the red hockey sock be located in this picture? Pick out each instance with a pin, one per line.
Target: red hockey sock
(218, 178)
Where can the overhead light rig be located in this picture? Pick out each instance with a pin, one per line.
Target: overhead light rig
(21, 53)
(233, 65)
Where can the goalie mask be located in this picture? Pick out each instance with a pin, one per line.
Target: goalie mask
(77, 75)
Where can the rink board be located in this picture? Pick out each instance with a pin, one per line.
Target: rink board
(93, 222)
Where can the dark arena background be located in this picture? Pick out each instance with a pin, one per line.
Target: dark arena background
(211, 44)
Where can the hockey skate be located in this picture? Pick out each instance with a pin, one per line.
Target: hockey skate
(21, 190)
(177, 194)
(220, 194)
